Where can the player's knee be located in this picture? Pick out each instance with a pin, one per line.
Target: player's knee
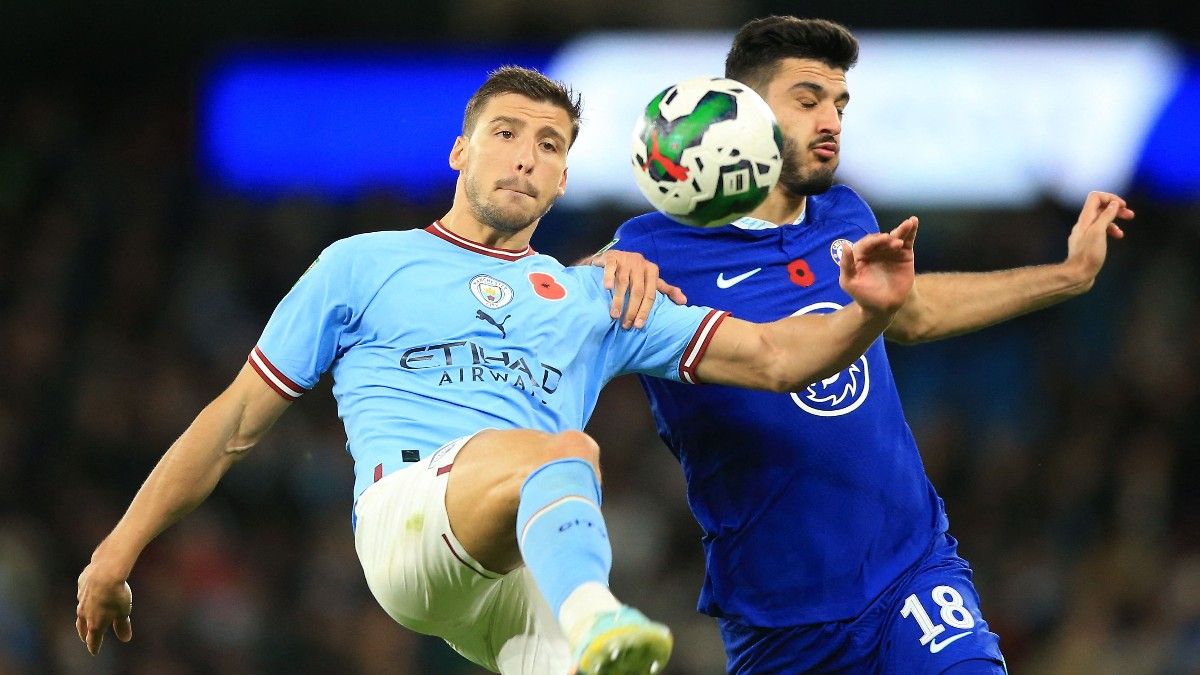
(575, 444)
(540, 451)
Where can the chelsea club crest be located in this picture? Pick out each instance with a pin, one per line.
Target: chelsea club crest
(835, 250)
(842, 392)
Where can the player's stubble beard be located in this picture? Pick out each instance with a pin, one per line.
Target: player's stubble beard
(497, 217)
(796, 180)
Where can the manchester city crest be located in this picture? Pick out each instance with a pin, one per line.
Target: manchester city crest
(492, 292)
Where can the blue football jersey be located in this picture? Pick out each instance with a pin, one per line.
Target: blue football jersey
(811, 502)
(431, 337)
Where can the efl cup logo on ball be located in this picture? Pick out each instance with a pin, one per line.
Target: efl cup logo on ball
(707, 151)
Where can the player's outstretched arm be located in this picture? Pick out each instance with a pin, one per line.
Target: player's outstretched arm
(183, 478)
(944, 305)
(790, 354)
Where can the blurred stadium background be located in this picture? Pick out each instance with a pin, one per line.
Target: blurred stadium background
(159, 193)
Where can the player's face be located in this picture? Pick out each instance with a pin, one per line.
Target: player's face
(514, 164)
(808, 98)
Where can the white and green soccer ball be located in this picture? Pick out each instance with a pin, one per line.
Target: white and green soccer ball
(707, 151)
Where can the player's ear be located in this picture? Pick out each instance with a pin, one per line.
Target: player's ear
(458, 153)
(562, 183)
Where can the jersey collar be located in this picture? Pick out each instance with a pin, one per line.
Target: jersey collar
(748, 223)
(439, 230)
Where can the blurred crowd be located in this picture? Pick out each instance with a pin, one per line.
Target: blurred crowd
(131, 290)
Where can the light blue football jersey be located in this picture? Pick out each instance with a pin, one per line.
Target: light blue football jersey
(431, 337)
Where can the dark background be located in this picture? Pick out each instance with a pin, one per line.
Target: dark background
(131, 289)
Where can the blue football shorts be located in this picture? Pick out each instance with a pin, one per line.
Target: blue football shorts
(926, 623)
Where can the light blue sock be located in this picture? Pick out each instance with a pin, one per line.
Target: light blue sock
(560, 529)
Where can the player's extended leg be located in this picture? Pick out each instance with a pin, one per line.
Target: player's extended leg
(526, 496)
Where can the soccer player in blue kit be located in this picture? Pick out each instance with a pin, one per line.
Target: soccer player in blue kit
(464, 365)
(826, 547)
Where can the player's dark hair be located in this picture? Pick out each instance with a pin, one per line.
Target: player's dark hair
(528, 83)
(760, 44)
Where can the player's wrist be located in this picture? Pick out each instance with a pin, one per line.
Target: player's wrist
(866, 319)
(1075, 277)
(112, 561)
(872, 312)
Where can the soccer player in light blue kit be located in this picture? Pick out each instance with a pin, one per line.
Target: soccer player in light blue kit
(464, 365)
(826, 546)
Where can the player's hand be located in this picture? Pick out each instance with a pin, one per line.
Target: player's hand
(877, 271)
(1087, 246)
(627, 272)
(104, 601)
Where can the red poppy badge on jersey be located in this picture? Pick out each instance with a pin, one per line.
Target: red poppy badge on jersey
(800, 274)
(547, 286)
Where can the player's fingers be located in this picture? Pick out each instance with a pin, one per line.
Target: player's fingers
(1106, 201)
(871, 241)
(1092, 208)
(847, 264)
(95, 638)
(862, 247)
(636, 303)
(637, 297)
(876, 244)
(123, 629)
(1111, 209)
(675, 293)
(1102, 214)
(81, 629)
(1104, 218)
(619, 285)
(649, 296)
(610, 272)
(1126, 213)
(1115, 231)
(908, 231)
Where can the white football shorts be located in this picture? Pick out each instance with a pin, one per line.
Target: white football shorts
(424, 579)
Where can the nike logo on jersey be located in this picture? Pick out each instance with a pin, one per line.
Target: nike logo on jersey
(722, 282)
(935, 646)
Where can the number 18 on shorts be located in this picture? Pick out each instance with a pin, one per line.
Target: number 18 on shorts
(936, 623)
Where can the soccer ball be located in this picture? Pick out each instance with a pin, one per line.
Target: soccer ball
(707, 151)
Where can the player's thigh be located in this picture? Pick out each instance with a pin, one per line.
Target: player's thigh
(414, 565)
(424, 578)
(484, 487)
(936, 621)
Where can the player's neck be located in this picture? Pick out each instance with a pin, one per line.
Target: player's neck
(460, 221)
(779, 208)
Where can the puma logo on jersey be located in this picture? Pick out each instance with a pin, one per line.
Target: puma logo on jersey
(483, 316)
(722, 282)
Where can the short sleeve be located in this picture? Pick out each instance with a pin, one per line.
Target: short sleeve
(671, 344)
(305, 332)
